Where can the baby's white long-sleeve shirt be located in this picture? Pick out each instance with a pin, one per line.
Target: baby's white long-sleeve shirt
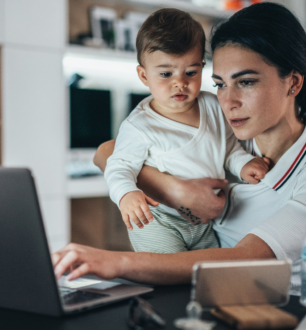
(186, 152)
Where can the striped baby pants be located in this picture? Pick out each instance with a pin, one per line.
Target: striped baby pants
(168, 233)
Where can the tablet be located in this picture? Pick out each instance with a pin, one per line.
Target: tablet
(222, 283)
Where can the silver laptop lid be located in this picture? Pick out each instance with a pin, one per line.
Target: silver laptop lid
(27, 280)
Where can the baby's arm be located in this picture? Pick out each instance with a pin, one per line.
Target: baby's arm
(122, 169)
(249, 168)
(242, 164)
(255, 170)
(236, 157)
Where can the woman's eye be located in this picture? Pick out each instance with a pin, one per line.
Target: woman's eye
(191, 73)
(246, 82)
(219, 85)
(166, 74)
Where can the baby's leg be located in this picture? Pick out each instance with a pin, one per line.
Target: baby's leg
(162, 235)
(203, 237)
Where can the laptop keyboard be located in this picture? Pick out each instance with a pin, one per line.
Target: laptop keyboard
(71, 297)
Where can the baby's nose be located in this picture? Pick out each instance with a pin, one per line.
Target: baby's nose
(180, 83)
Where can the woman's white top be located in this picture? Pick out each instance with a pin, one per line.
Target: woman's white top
(274, 209)
(186, 152)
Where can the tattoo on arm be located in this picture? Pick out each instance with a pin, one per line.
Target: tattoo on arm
(191, 217)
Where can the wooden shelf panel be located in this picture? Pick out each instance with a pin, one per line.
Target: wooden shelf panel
(79, 18)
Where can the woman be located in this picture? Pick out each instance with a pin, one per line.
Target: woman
(259, 63)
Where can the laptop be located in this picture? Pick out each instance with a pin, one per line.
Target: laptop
(27, 280)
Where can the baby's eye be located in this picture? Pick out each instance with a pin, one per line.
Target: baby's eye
(219, 85)
(191, 73)
(166, 74)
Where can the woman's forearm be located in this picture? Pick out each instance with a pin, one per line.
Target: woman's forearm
(104, 151)
(153, 183)
(177, 268)
(196, 195)
(155, 268)
(157, 185)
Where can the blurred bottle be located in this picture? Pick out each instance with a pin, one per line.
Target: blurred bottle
(238, 4)
(303, 287)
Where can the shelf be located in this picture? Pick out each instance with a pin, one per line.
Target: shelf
(99, 53)
(87, 187)
(209, 12)
(84, 52)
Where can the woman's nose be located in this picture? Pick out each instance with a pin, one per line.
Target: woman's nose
(229, 99)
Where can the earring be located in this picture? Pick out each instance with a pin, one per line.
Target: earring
(292, 92)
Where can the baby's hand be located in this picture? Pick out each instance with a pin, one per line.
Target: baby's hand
(134, 206)
(255, 170)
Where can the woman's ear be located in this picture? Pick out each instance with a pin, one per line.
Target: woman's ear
(142, 74)
(296, 84)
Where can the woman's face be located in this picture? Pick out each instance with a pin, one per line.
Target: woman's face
(253, 97)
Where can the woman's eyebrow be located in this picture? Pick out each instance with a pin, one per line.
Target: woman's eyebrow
(216, 77)
(241, 73)
(238, 74)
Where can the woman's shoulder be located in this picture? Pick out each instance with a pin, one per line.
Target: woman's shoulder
(300, 181)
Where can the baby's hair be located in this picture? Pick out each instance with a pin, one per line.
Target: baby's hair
(171, 31)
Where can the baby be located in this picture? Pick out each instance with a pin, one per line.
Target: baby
(179, 130)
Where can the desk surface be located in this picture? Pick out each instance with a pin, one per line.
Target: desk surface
(170, 301)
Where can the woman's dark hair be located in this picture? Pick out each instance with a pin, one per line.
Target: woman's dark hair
(274, 32)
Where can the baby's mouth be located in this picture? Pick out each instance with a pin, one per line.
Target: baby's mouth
(179, 97)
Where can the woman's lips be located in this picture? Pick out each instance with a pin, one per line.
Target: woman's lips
(236, 122)
(179, 97)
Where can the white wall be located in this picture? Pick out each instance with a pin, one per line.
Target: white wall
(32, 34)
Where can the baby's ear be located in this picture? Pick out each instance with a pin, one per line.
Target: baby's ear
(142, 74)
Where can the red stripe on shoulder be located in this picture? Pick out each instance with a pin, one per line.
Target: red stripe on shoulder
(291, 167)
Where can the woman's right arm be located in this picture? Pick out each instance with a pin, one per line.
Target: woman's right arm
(105, 150)
(146, 267)
(197, 194)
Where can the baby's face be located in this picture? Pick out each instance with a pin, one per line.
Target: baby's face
(174, 80)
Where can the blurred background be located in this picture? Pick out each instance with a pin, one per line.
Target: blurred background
(67, 80)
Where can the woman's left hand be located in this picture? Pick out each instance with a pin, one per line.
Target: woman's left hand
(81, 260)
